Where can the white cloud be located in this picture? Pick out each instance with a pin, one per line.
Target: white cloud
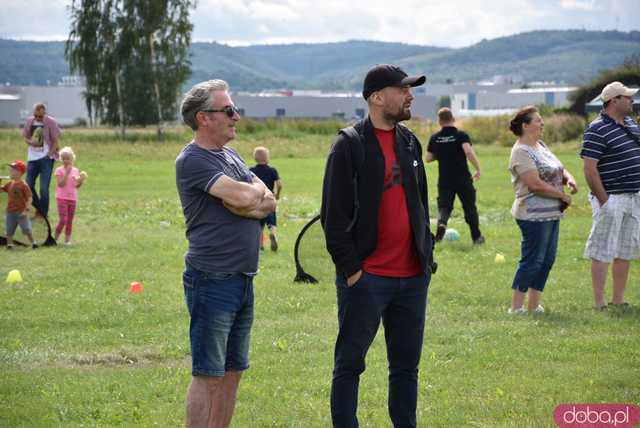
(578, 4)
(452, 23)
(458, 23)
(35, 19)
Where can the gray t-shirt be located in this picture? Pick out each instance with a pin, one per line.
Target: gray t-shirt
(529, 205)
(219, 241)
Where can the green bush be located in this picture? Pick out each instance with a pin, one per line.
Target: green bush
(561, 128)
(558, 128)
(289, 128)
(628, 73)
(488, 130)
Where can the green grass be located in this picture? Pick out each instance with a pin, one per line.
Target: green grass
(77, 349)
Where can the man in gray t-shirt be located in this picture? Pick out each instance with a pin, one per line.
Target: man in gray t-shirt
(219, 240)
(222, 202)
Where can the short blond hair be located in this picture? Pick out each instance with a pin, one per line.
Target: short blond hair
(67, 150)
(39, 106)
(261, 154)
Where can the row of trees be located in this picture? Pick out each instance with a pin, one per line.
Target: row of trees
(628, 73)
(134, 56)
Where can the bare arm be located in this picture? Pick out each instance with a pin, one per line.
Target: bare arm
(267, 206)
(28, 205)
(62, 181)
(532, 180)
(471, 156)
(277, 188)
(54, 148)
(568, 179)
(238, 194)
(594, 182)
(429, 157)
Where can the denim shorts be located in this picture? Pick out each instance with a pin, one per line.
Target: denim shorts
(221, 310)
(15, 219)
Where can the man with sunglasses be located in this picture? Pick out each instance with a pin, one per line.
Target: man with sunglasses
(41, 133)
(611, 156)
(222, 202)
(383, 256)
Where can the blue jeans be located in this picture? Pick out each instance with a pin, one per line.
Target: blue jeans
(44, 168)
(401, 303)
(221, 310)
(539, 247)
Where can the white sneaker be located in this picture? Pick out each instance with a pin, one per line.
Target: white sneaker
(519, 311)
(68, 244)
(539, 310)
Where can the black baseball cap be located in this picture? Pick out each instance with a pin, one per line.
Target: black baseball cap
(383, 75)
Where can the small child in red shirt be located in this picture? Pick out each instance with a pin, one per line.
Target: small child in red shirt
(18, 204)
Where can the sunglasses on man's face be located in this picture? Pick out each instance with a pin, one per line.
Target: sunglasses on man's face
(230, 111)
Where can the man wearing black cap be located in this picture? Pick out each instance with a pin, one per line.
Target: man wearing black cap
(375, 215)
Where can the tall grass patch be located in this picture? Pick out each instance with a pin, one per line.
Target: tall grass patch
(558, 128)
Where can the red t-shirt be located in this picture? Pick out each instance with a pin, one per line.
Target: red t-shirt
(19, 194)
(395, 255)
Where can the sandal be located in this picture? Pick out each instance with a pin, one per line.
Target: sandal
(619, 305)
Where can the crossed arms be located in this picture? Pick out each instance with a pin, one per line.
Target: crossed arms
(251, 200)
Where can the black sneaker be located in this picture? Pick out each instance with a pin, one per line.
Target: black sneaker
(479, 240)
(9, 247)
(34, 246)
(442, 228)
(274, 242)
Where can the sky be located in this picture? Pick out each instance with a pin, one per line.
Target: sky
(446, 23)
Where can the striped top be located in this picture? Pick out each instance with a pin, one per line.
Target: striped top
(617, 153)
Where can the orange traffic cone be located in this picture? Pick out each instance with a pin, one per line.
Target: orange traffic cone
(135, 287)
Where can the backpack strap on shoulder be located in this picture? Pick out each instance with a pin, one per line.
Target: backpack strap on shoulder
(356, 146)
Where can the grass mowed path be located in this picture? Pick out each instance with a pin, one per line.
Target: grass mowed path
(77, 349)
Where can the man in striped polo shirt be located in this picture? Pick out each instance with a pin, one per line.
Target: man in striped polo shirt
(611, 155)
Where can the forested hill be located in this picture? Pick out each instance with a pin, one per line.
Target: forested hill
(570, 56)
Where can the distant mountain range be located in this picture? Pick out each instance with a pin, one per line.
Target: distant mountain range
(568, 56)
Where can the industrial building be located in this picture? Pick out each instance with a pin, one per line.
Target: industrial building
(490, 102)
(66, 103)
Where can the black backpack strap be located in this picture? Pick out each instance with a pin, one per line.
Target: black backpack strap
(355, 141)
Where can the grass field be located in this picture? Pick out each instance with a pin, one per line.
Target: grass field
(77, 349)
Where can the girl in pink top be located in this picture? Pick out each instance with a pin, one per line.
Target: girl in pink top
(69, 179)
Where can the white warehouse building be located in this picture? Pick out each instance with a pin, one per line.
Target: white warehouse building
(325, 106)
(65, 103)
(486, 103)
